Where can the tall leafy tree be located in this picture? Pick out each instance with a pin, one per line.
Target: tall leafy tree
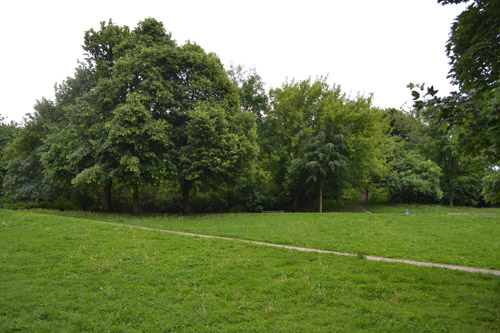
(473, 112)
(249, 182)
(297, 112)
(24, 179)
(253, 96)
(7, 134)
(116, 127)
(203, 88)
(300, 110)
(366, 132)
(324, 157)
(84, 103)
(473, 46)
(217, 147)
(461, 173)
(139, 143)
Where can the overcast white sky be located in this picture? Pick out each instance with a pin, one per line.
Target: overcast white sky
(366, 46)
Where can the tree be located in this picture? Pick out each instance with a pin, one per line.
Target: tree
(473, 112)
(405, 126)
(324, 157)
(369, 147)
(414, 179)
(300, 110)
(115, 129)
(139, 143)
(7, 135)
(474, 47)
(202, 93)
(84, 103)
(461, 173)
(253, 96)
(491, 185)
(127, 116)
(297, 112)
(24, 178)
(248, 185)
(219, 145)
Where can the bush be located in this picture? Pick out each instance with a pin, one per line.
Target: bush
(414, 179)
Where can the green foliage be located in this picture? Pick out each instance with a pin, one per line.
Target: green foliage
(472, 114)
(324, 156)
(491, 186)
(24, 179)
(323, 159)
(369, 147)
(253, 96)
(414, 179)
(138, 142)
(142, 109)
(405, 127)
(461, 173)
(142, 113)
(461, 153)
(7, 134)
(299, 111)
(474, 48)
(103, 47)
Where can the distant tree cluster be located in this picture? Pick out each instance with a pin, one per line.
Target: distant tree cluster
(148, 125)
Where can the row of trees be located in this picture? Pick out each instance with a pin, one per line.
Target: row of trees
(159, 123)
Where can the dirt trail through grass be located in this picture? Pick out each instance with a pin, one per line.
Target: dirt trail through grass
(304, 249)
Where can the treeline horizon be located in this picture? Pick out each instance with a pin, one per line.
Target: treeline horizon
(147, 125)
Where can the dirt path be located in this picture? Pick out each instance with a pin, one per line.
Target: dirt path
(304, 249)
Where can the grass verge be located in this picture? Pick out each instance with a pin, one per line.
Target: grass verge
(59, 274)
(448, 239)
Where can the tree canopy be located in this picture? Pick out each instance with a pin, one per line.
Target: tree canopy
(153, 125)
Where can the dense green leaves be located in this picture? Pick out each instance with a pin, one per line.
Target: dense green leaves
(24, 178)
(300, 111)
(7, 134)
(145, 118)
(469, 117)
(474, 47)
(415, 179)
(143, 110)
(324, 157)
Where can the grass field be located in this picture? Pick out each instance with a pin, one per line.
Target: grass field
(449, 239)
(69, 273)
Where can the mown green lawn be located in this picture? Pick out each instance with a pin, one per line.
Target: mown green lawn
(434, 237)
(59, 273)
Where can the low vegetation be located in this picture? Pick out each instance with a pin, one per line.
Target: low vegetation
(435, 237)
(60, 273)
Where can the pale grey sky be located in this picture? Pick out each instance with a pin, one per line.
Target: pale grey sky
(365, 46)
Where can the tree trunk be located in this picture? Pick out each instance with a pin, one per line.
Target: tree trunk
(135, 199)
(228, 198)
(321, 198)
(186, 189)
(107, 196)
(296, 199)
